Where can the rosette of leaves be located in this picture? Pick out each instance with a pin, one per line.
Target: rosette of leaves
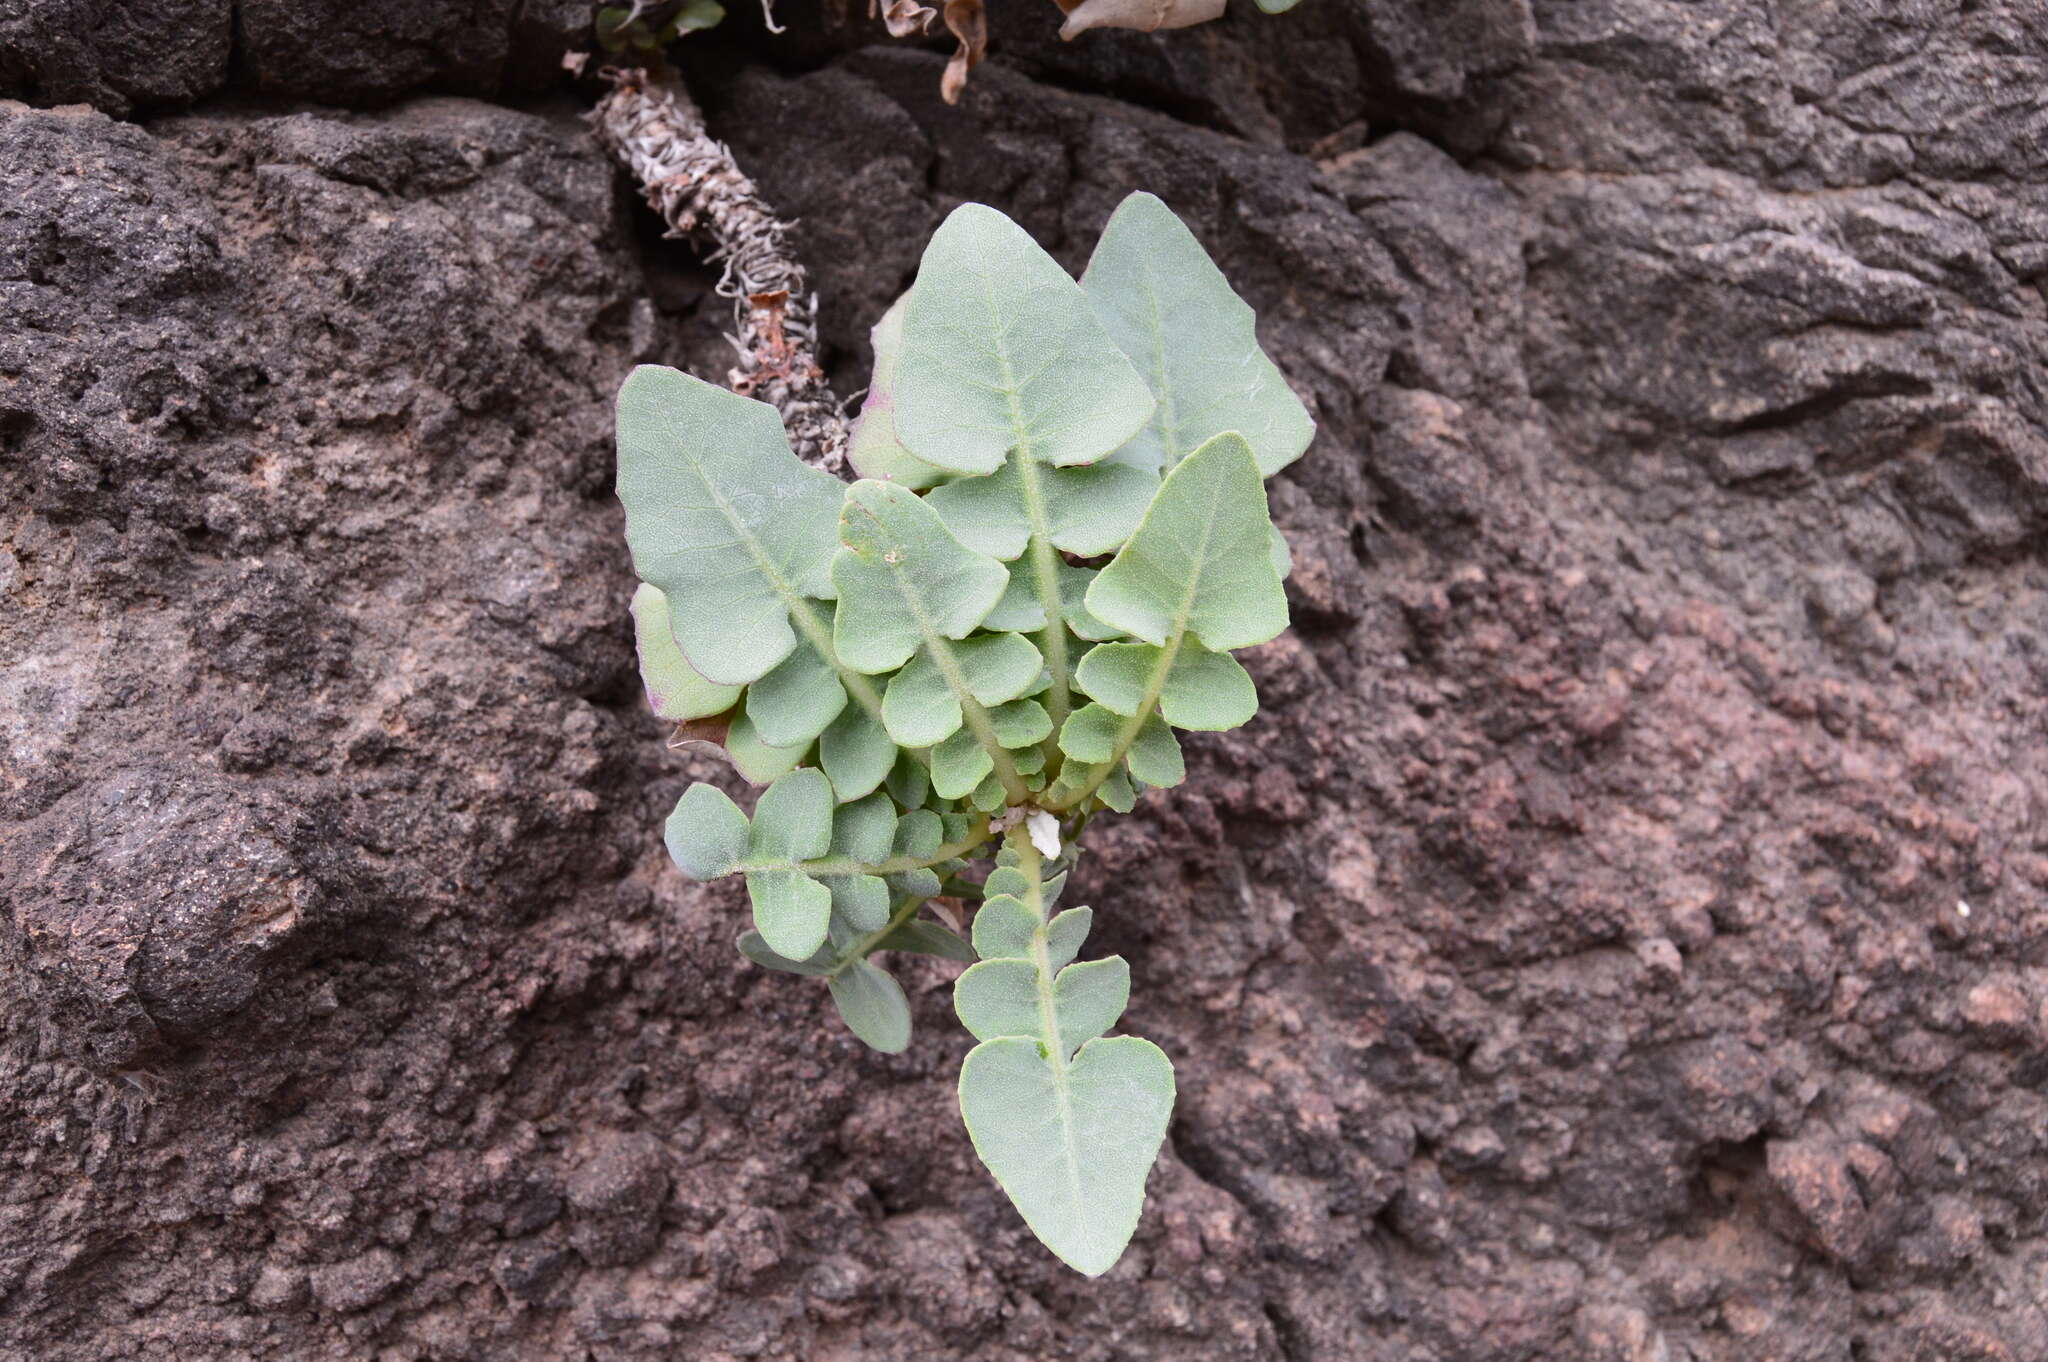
(1059, 538)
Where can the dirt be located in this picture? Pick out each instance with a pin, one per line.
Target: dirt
(1619, 938)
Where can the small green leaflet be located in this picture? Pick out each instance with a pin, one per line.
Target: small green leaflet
(792, 824)
(1001, 351)
(1200, 562)
(720, 514)
(1087, 511)
(798, 698)
(674, 689)
(856, 753)
(903, 579)
(1198, 689)
(1171, 310)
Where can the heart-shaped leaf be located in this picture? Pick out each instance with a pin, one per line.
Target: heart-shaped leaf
(1070, 1142)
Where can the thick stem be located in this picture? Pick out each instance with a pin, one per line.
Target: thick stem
(657, 133)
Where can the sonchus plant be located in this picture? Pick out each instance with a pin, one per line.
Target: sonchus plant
(1059, 538)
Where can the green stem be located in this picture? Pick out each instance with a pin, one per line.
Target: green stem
(1045, 562)
(1033, 865)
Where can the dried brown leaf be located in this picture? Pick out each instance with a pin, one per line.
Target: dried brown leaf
(904, 18)
(1147, 16)
(970, 25)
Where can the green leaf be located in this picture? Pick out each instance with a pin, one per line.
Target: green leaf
(1002, 351)
(872, 1004)
(989, 796)
(1171, 310)
(1201, 562)
(707, 834)
(756, 760)
(922, 705)
(791, 911)
(1004, 927)
(1020, 723)
(1198, 689)
(862, 832)
(1070, 1143)
(756, 949)
(1066, 934)
(721, 515)
(1020, 611)
(797, 700)
(927, 938)
(792, 824)
(674, 689)
(856, 753)
(959, 764)
(919, 834)
(1000, 997)
(872, 447)
(697, 15)
(1074, 584)
(903, 579)
(1087, 511)
(1090, 733)
(1155, 755)
(1277, 6)
(1116, 792)
(909, 784)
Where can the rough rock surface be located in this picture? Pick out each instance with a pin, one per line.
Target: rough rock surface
(1618, 939)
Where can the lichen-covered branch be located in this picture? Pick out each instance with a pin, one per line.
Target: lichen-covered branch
(693, 182)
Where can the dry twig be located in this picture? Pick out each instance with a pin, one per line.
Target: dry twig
(692, 181)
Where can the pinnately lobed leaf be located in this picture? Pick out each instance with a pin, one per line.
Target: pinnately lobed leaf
(936, 659)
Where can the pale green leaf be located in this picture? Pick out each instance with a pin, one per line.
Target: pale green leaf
(1171, 310)
(1201, 561)
(959, 764)
(1090, 734)
(872, 1004)
(1155, 755)
(798, 698)
(1116, 792)
(674, 689)
(720, 514)
(791, 911)
(998, 998)
(856, 753)
(1002, 351)
(1029, 761)
(919, 834)
(756, 760)
(756, 949)
(990, 796)
(1087, 511)
(706, 834)
(1021, 723)
(1074, 584)
(1283, 556)
(1070, 1143)
(919, 707)
(1066, 934)
(1004, 927)
(1198, 689)
(872, 446)
(792, 822)
(909, 783)
(927, 938)
(904, 579)
(1021, 610)
(863, 832)
(998, 668)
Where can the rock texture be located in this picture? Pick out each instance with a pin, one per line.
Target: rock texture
(1618, 939)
